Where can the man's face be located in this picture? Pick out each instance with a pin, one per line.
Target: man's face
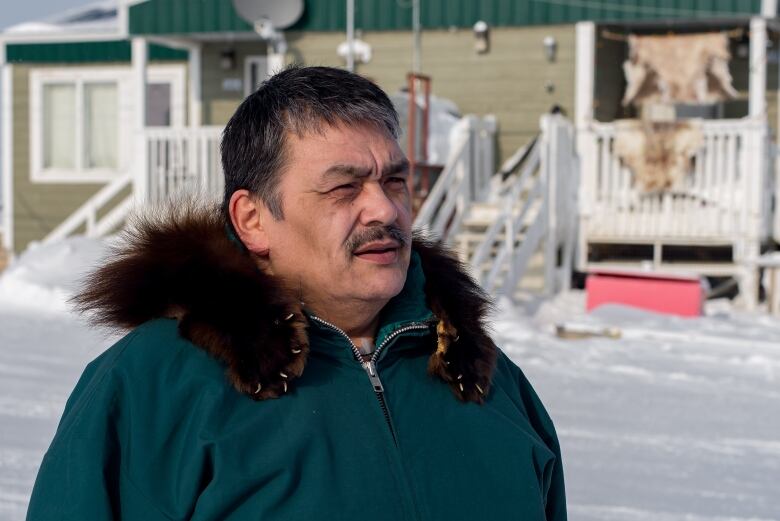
(345, 235)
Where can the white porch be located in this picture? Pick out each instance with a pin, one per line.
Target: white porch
(726, 199)
(717, 222)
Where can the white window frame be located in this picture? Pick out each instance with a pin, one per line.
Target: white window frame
(248, 62)
(78, 76)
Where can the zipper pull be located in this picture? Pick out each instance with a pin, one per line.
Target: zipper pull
(373, 376)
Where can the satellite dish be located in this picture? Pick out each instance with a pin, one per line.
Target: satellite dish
(280, 13)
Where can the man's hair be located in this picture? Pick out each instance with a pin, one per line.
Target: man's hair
(297, 100)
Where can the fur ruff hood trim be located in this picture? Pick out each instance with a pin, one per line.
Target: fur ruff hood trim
(184, 265)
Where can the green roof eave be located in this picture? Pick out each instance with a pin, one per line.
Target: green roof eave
(85, 52)
(182, 17)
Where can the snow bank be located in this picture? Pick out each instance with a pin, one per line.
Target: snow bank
(45, 276)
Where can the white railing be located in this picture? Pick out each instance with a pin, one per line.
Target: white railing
(87, 216)
(773, 165)
(519, 214)
(464, 179)
(180, 160)
(725, 196)
(537, 206)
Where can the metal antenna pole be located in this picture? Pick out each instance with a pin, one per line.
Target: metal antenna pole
(351, 35)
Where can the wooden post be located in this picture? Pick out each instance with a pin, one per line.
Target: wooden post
(548, 169)
(769, 8)
(757, 82)
(275, 61)
(196, 86)
(586, 142)
(140, 57)
(585, 63)
(6, 112)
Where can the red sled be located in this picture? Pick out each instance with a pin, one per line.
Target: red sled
(673, 294)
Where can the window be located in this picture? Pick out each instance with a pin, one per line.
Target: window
(78, 124)
(81, 126)
(255, 72)
(158, 105)
(101, 125)
(59, 118)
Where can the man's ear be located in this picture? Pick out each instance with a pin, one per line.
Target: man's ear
(246, 214)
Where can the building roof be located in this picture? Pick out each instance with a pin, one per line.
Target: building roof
(213, 17)
(95, 17)
(158, 17)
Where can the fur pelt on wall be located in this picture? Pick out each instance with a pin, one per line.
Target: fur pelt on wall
(684, 68)
(183, 264)
(659, 154)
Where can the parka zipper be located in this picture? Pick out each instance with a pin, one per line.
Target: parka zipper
(370, 365)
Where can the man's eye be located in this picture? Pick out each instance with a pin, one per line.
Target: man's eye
(344, 189)
(396, 181)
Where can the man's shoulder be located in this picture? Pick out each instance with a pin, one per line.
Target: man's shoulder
(510, 379)
(150, 368)
(154, 357)
(156, 343)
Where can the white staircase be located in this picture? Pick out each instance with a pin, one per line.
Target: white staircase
(518, 236)
(101, 214)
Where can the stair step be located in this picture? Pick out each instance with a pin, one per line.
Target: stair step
(483, 221)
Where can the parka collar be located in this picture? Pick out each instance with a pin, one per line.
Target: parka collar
(181, 264)
(408, 308)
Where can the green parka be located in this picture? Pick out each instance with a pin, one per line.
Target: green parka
(170, 423)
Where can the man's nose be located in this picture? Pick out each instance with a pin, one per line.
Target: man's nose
(378, 208)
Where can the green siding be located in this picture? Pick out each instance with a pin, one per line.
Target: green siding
(85, 52)
(211, 16)
(38, 207)
(219, 104)
(509, 81)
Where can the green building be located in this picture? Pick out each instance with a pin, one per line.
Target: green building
(93, 99)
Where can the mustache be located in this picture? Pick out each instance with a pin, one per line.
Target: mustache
(377, 233)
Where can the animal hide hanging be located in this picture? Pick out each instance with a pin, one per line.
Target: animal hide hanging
(658, 154)
(686, 68)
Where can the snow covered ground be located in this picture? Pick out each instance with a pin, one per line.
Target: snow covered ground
(677, 420)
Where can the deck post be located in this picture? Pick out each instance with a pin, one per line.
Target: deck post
(585, 66)
(7, 177)
(549, 171)
(747, 246)
(276, 59)
(769, 8)
(140, 57)
(757, 82)
(194, 54)
(585, 62)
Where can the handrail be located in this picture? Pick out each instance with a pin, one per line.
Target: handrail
(86, 214)
(464, 180)
(725, 196)
(507, 203)
(535, 207)
(181, 159)
(443, 186)
(516, 159)
(533, 202)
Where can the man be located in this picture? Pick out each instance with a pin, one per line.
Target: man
(297, 355)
